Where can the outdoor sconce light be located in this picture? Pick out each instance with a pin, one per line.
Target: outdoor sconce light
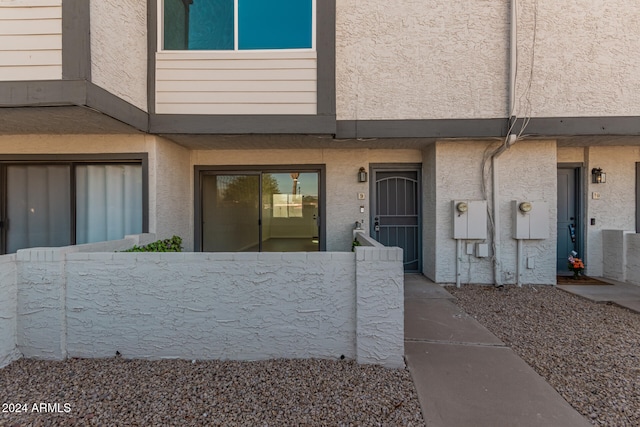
(597, 176)
(362, 175)
(525, 207)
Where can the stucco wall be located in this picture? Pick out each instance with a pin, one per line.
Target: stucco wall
(616, 207)
(431, 59)
(585, 61)
(171, 177)
(242, 306)
(119, 48)
(570, 154)
(614, 254)
(633, 258)
(527, 171)
(342, 187)
(8, 310)
(380, 306)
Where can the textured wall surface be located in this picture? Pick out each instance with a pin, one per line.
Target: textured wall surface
(614, 254)
(585, 58)
(633, 258)
(170, 195)
(8, 310)
(214, 306)
(411, 60)
(119, 49)
(380, 306)
(41, 303)
(73, 302)
(527, 171)
(616, 208)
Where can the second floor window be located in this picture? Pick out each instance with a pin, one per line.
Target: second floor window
(238, 24)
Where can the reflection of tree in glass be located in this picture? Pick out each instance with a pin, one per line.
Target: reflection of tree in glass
(243, 189)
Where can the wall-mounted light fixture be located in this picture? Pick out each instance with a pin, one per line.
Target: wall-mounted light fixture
(597, 176)
(362, 175)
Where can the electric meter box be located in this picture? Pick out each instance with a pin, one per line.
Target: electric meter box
(530, 220)
(469, 219)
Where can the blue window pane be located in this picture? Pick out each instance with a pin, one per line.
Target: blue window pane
(211, 25)
(175, 25)
(274, 24)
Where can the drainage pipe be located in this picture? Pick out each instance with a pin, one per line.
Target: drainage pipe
(458, 259)
(519, 264)
(509, 141)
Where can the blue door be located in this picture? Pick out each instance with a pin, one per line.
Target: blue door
(569, 236)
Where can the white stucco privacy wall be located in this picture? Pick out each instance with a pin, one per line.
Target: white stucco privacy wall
(632, 271)
(119, 48)
(616, 207)
(8, 310)
(241, 306)
(621, 251)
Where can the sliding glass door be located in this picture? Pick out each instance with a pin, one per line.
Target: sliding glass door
(38, 206)
(271, 211)
(49, 205)
(230, 213)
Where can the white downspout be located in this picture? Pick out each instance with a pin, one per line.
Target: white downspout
(510, 140)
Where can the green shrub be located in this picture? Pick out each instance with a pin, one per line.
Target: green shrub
(355, 243)
(173, 244)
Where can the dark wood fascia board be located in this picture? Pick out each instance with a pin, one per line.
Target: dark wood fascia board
(113, 106)
(43, 93)
(152, 47)
(76, 40)
(326, 51)
(240, 124)
(581, 126)
(445, 128)
(488, 128)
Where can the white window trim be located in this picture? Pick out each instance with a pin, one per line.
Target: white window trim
(160, 47)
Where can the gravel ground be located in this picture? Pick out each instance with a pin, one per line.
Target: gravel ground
(589, 352)
(123, 392)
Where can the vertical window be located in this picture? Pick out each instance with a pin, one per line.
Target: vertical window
(238, 24)
(38, 206)
(108, 202)
(49, 205)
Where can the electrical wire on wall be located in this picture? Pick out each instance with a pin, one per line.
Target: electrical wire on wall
(492, 151)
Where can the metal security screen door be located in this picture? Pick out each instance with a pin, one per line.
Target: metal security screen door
(395, 212)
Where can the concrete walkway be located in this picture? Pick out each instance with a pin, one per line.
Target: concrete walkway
(622, 294)
(465, 376)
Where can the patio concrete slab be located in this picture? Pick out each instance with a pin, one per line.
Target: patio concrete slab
(442, 320)
(464, 375)
(623, 294)
(470, 385)
(418, 286)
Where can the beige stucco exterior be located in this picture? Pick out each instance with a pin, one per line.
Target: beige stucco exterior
(119, 49)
